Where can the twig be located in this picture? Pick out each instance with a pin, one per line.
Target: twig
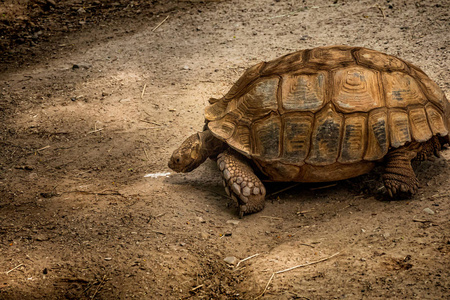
(290, 269)
(322, 187)
(308, 264)
(146, 155)
(99, 286)
(150, 122)
(242, 260)
(146, 113)
(96, 130)
(283, 190)
(382, 11)
(267, 285)
(13, 269)
(43, 148)
(143, 91)
(197, 287)
(157, 26)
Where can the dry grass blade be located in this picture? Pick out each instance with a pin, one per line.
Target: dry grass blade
(322, 187)
(293, 268)
(247, 258)
(308, 264)
(157, 26)
(14, 269)
(99, 286)
(283, 190)
(143, 91)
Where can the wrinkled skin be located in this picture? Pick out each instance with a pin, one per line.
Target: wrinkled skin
(187, 157)
(194, 151)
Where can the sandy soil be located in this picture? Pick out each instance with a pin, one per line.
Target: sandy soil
(100, 98)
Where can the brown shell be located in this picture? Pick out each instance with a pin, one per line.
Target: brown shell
(329, 104)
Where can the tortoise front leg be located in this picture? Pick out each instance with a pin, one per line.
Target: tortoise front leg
(399, 177)
(241, 183)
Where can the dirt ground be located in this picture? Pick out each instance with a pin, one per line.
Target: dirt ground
(94, 96)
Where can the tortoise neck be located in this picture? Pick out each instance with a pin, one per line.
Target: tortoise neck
(210, 145)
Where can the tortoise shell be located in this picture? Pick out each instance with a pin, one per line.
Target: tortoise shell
(328, 105)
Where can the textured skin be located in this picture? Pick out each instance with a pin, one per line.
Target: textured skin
(399, 177)
(241, 183)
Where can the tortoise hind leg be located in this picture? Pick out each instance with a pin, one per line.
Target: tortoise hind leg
(241, 183)
(399, 177)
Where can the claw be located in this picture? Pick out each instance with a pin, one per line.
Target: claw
(390, 193)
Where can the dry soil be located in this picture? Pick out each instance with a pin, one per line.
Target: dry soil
(94, 96)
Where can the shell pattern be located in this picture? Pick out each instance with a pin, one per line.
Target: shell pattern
(329, 104)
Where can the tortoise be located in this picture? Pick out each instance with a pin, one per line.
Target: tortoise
(318, 115)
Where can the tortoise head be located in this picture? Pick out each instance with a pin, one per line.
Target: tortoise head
(188, 156)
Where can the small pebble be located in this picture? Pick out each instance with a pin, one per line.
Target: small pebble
(429, 211)
(201, 220)
(231, 260)
(234, 222)
(108, 258)
(41, 238)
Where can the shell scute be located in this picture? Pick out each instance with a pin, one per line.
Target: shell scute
(378, 60)
(262, 97)
(224, 127)
(297, 137)
(402, 90)
(241, 139)
(420, 130)
(377, 135)
(243, 82)
(304, 92)
(399, 132)
(436, 120)
(326, 137)
(356, 89)
(266, 133)
(354, 138)
(331, 56)
(431, 89)
(288, 63)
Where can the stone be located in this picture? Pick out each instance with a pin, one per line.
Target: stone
(231, 260)
(234, 222)
(429, 211)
